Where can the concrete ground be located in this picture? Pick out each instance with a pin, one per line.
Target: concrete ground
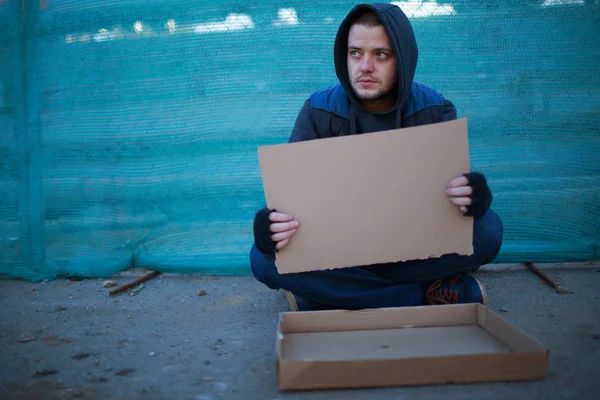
(68, 339)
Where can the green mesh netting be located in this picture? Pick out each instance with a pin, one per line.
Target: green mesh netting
(129, 128)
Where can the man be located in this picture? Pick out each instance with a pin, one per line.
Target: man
(375, 55)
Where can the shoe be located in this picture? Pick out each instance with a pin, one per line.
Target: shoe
(292, 300)
(456, 290)
(299, 303)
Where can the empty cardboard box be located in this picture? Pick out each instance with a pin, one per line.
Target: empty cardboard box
(462, 343)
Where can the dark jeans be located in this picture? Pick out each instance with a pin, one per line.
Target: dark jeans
(382, 285)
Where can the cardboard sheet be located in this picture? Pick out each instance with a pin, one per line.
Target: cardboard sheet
(369, 199)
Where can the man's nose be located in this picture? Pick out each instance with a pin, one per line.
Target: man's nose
(366, 64)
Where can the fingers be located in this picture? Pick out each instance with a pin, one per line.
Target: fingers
(457, 182)
(284, 226)
(280, 217)
(459, 191)
(282, 244)
(461, 201)
(278, 237)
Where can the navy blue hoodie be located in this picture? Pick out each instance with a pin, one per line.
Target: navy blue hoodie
(337, 111)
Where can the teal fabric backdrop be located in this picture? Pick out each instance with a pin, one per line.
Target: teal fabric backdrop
(129, 128)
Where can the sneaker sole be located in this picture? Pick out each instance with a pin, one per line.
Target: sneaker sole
(292, 300)
(482, 289)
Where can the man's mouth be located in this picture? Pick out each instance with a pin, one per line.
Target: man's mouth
(366, 82)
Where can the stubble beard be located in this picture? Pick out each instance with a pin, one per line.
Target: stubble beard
(388, 91)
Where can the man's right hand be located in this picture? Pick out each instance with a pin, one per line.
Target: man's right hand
(273, 230)
(283, 227)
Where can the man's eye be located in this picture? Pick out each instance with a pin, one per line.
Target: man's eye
(381, 56)
(354, 53)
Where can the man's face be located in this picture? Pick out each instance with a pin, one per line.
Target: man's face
(371, 62)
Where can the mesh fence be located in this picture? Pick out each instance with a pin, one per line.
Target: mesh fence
(129, 128)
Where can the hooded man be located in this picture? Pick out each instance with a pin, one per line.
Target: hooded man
(375, 55)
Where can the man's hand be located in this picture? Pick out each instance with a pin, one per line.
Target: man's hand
(283, 227)
(459, 192)
(471, 192)
(273, 230)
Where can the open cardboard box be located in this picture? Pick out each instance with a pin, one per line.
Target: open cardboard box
(462, 343)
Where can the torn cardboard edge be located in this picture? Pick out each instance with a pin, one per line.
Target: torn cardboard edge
(406, 346)
(369, 199)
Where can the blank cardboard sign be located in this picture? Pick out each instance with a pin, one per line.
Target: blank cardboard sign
(371, 198)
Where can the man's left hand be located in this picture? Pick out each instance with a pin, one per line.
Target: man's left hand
(471, 193)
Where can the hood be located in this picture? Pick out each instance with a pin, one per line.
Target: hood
(401, 37)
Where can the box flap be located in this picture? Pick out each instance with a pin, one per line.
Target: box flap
(497, 367)
(367, 199)
(515, 338)
(383, 318)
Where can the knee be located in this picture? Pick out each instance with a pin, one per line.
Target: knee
(488, 236)
(262, 266)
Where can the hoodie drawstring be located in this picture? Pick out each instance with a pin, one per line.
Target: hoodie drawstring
(352, 119)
